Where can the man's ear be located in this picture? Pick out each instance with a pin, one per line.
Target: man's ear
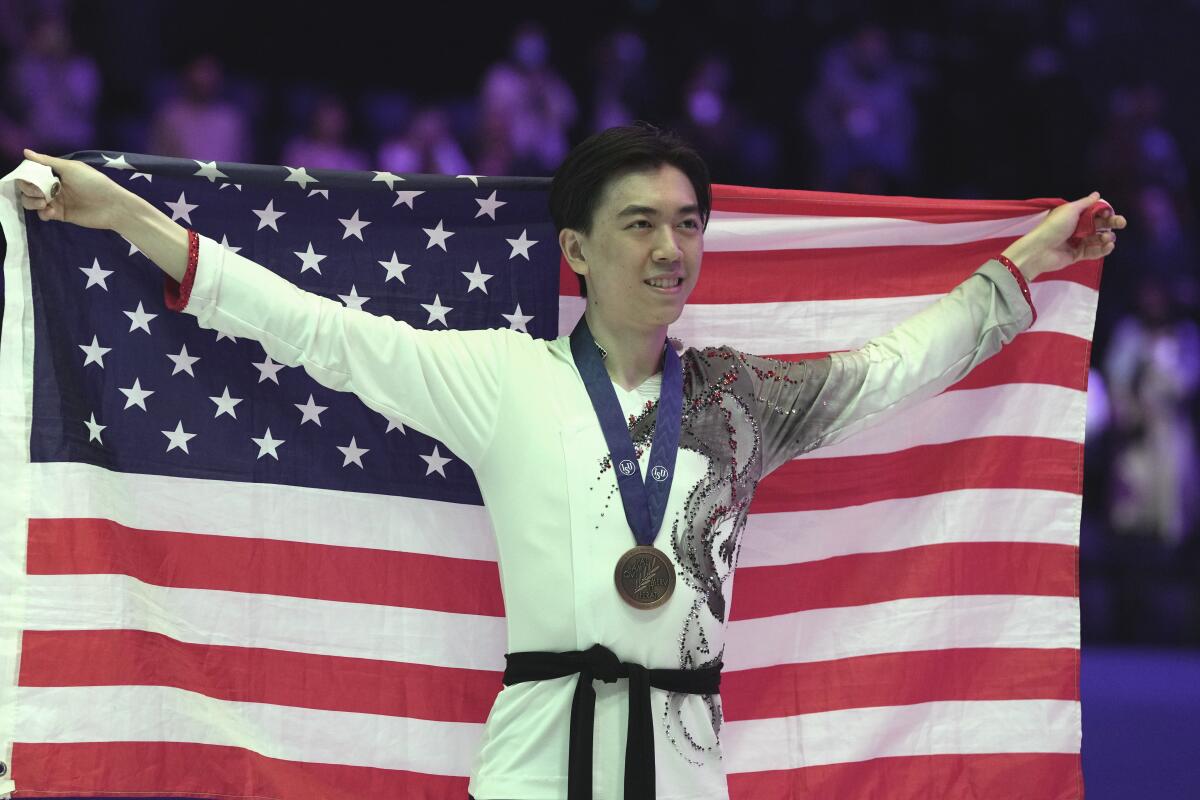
(571, 243)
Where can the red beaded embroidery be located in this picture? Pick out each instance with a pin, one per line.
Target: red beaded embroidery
(175, 294)
(1016, 273)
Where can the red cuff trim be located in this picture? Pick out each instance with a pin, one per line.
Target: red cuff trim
(175, 294)
(1016, 273)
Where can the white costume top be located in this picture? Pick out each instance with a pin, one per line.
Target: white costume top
(515, 409)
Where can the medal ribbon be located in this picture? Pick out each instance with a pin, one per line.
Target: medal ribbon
(645, 501)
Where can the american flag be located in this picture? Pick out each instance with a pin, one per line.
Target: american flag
(223, 579)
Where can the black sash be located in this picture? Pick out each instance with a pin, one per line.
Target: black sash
(600, 663)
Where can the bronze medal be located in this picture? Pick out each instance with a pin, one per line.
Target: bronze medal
(645, 577)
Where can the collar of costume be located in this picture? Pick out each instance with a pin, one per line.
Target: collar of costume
(645, 501)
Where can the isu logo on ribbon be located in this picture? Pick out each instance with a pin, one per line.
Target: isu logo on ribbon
(659, 473)
(627, 467)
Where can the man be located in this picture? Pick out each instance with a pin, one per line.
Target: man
(617, 470)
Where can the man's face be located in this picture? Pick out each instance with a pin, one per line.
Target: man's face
(647, 226)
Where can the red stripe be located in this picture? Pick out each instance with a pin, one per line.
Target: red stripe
(1056, 359)
(304, 680)
(994, 776)
(935, 570)
(851, 273)
(896, 679)
(206, 770)
(987, 462)
(264, 566)
(755, 200)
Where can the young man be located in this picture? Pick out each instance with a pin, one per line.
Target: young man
(617, 540)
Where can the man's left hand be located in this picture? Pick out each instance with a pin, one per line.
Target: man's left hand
(1046, 247)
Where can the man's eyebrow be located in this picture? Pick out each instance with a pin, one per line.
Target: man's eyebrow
(631, 210)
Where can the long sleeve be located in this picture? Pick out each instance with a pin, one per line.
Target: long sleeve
(447, 384)
(813, 402)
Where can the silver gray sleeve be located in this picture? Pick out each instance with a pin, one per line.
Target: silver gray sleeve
(813, 402)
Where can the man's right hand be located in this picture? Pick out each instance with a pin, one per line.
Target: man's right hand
(86, 196)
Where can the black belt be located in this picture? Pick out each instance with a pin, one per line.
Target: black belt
(598, 662)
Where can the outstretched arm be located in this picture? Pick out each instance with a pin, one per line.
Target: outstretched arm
(447, 384)
(820, 401)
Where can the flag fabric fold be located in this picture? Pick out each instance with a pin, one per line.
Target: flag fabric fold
(223, 579)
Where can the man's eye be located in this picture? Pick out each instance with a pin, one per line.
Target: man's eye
(693, 223)
(640, 222)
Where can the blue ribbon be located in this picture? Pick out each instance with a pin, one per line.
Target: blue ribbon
(645, 501)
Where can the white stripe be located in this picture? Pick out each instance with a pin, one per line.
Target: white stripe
(1016, 409)
(966, 515)
(897, 626)
(263, 511)
(60, 715)
(16, 411)
(918, 729)
(732, 231)
(821, 325)
(322, 627)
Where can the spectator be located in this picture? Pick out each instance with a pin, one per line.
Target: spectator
(428, 146)
(526, 110)
(324, 146)
(55, 90)
(198, 123)
(861, 117)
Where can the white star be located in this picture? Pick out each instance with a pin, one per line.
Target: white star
(268, 216)
(136, 395)
(139, 317)
(267, 369)
(393, 425)
(488, 205)
(133, 248)
(323, 192)
(354, 226)
(437, 310)
(354, 299)
(183, 362)
(299, 175)
(149, 178)
(521, 245)
(472, 178)
(438, 236)
(436, 462)
(237, 186)
(96, 275)
(225, 404)
(116, 163)
(208, 169)
(478, 279)
(517, 320)
(394, 268)
(181, 209)
(405, 197)
(386, 177)
(310, 260)
(223, 335)
(178, 438)
(225, 243)
(353, 452)
(311, 411)
(95, 353)
(267, 445)
(94, 429)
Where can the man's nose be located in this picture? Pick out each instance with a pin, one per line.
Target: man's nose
(667, 249)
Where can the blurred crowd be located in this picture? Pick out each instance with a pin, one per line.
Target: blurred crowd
(1013, 98)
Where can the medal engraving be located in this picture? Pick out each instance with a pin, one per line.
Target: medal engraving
(645, 577)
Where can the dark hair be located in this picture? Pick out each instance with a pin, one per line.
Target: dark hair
(580, 180)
